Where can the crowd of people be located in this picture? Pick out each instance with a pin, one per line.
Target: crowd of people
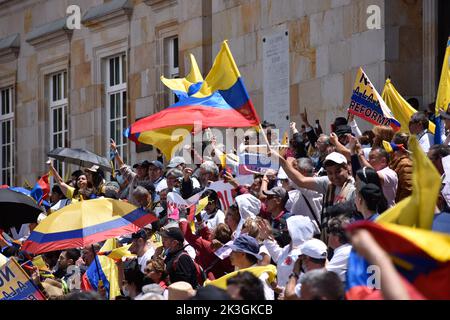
(293, 219)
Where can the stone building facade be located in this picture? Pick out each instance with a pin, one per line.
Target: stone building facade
(78, 88)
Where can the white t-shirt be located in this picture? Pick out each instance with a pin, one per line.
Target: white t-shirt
(212, 223)
(322, 186)
(426, 140)
(146, 257)
(298, 205)
(338, 264)
(390, 184)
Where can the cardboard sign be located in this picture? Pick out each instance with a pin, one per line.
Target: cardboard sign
(15, 284)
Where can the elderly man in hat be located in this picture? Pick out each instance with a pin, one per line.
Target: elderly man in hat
(179, 264)
(134, 178)
(245, 254)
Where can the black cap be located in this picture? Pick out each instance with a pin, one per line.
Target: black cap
(340, 121)
(342, 130)
(143, 163)
(173, 233)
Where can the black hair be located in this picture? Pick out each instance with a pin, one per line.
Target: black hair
(77, 173)
(372, 195)
(133, 275)
(253, 260)
(250, 286)
(370, 176)
(57, 189)
(73, 254)
(212, 196)
(414, 103)
(149, 186)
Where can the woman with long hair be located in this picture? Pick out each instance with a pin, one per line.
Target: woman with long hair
(83, 190)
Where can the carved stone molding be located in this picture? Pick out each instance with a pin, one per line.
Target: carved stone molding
(108, 14)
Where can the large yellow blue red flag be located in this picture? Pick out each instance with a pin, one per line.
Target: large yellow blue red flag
(367, 103)
(418, 209)
(401, 109)
(221, 101)
(421, 257)
(443, 95)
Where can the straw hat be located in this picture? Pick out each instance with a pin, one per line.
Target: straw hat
(180, 291)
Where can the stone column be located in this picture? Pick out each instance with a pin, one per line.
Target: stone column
(430, 23)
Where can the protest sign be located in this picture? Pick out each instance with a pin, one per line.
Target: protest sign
(15, 284)
(251, 163)
(225, 192)
(367, 103)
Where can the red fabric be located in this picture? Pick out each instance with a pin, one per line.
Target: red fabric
(205, 254)
(188, 115)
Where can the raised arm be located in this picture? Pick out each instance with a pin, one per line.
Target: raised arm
(116, 154)
(299, 179)
(59, 180)
(339, 147)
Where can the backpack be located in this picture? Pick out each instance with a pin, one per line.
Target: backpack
(200, 273)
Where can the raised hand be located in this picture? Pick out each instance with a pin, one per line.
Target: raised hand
(187, 173)
(113, 145)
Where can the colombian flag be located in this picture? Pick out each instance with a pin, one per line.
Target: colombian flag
(422, 257)
(105, 269)
(41, 189)
(220, 101)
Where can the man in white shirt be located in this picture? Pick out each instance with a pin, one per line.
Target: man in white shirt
(141, 248)
(338, 241)
(212, 215)
(418, 125)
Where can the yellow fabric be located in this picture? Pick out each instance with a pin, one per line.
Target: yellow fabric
(270, 269)
(201, 205)
(223, 74)
(120, 252)
(401, 109)
(69, 192)
(443, 95)
(168, 140)
(387, 146)
(183, 84)
(418, 209)
(436, 244)
(3, 260)
(110, 269)
(82, 214)
(285, 140)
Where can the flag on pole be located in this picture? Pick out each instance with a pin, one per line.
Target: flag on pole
(400, 108)
(367, 103)
(221, 101)
(418, 209)
(443, 95)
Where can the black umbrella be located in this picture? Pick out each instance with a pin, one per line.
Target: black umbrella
(16, 209)
(80, 157)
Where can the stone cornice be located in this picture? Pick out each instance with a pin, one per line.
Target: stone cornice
(158, 5)
(49, 34)
(9, 47)
(107, 14)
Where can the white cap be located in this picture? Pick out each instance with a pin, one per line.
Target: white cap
(175, 161)
(335, 157)
(314, 248)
